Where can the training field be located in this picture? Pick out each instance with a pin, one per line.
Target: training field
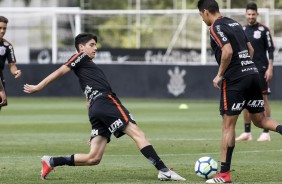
(32, 127)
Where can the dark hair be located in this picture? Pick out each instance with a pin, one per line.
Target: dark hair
(210, 5)
(4, 19)
(252, 6)
(83, 38)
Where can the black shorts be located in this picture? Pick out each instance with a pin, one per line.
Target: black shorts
(265, 89)
(108, 116)
(244, 92)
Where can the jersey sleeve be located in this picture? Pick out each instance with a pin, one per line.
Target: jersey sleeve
(11, 54)
(269, 44)
(76, 60)
(218, 34)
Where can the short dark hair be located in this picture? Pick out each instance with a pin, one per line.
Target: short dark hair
(210, 5)
(83, 38)
(4, 19)
(252, 6)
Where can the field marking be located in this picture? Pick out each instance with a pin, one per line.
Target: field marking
(181, 154)
(183, 139)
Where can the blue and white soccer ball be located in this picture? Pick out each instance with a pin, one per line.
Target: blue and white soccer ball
(206, 167)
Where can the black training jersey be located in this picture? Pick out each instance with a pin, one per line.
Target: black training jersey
(223, 31)
(260, 37)
(92, 79)
(6, 53)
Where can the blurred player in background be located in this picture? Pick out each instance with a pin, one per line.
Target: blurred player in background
(237, 78)
(106, 113)
(3, 98)
(7, 53)
(261, 40)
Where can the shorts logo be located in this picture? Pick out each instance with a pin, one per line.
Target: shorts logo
(94, 133)
(115, 125)
(255, 103)
(238, 106)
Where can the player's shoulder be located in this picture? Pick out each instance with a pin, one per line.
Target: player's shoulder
(6, 43)
(262, 27)
(77, 57)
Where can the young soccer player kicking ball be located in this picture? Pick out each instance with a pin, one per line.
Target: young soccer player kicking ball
(106, 113)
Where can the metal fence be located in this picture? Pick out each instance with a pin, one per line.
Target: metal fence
(171, 31)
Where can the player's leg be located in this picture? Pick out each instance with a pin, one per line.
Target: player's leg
(97, 147)
(265, 134)
(261, 121)
(149, 152)
(246, 135)
(227, 147)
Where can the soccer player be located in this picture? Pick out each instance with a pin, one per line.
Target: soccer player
(6, 53)
(106, 113)
(237, 79)
(260, 37)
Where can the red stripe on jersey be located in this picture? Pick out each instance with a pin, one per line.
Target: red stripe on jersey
(224, 96)
(73, 58)
(119, 108)
(215, 37)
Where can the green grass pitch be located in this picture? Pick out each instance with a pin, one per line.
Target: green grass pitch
(33, 127)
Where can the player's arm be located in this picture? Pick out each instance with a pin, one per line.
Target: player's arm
(14, 70)
(87, 103)
(3, 97)
(270, 50)
(50, 78)
(251, 49)
(226, 56)
(269, 71)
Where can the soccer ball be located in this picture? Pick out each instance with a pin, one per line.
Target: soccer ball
(206, 167)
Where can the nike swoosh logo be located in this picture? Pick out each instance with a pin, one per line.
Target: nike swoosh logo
(168, 176)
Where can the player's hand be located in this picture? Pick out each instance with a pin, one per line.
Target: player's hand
(89, 141)
(30, 88)
(17, 74)
(217, 81)
(3, 98)
(268, 75)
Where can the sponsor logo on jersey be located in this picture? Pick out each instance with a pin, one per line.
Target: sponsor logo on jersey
(238, 106)
(87, 90)
(6, 43)
(220, 33)
(91, 95)
(115, 125)
(257, 34)
(244, 63)
(12, 53)
(244, 54)
(2, 50)
(234, 24)
(268, 39)
(250, 69)
(176, 85)
(261, 28)
(255, 103)
(77, 60)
